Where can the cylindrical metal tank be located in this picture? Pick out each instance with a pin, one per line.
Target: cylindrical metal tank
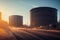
(16, 20)
(43, 16)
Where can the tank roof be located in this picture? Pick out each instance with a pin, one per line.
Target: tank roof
(17, 15)
(43, 8)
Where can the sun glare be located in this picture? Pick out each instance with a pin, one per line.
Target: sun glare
(5, 16)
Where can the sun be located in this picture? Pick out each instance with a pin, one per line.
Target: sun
(4, 16)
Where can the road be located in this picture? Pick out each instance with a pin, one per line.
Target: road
(31, 34)
(36, 34)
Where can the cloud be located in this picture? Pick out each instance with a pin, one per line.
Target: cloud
(34, 6)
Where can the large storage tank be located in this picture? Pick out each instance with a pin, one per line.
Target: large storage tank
(43, 16)
(16, 20)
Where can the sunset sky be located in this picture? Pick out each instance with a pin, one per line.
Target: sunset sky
(22, 7)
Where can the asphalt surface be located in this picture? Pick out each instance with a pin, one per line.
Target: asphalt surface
(36, 34)
(31, 34)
